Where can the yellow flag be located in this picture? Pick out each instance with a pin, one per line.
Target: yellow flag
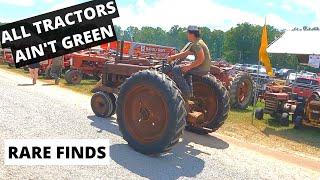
(263, 55)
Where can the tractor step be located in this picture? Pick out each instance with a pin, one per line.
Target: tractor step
(196, 117)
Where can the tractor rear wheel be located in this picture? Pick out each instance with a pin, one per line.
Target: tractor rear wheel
(241, 91)
(151, 112)
(212, 99)
(103, 104)
(73, 77)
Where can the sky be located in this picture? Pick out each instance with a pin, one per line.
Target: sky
(215, 14)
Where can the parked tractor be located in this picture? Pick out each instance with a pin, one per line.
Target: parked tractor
(86, 63)
(7, 57)
(151, 111)
(279, 104)
(309, 114)
(239, 84)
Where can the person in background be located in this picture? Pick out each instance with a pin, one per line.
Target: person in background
(56, 68)
(34, 72)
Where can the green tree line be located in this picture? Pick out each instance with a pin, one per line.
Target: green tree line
(238, 45)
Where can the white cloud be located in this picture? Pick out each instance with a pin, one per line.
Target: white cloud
(311, 6)
(63, 4)
(48, 1)
(166, 13)
(25, 3)
(287, 7)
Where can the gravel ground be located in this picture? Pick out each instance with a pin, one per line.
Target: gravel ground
(45, 111)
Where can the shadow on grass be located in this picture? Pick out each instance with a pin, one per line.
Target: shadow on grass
(308, 135)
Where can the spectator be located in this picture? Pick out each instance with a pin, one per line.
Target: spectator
(56, 68)
(34, 72)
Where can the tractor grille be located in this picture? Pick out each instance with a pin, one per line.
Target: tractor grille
(271, 102)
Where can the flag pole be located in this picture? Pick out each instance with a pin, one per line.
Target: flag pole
(256, 94)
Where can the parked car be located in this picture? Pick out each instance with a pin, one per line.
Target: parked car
(283, 73)
(291, 78)
(256, 69)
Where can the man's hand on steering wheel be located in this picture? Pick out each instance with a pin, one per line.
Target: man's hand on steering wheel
(170, 59)
(185, 68)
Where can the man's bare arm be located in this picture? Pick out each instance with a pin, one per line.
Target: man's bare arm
(181, 55)
(200, 59)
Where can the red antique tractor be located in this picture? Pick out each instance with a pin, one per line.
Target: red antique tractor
(279, 105)
(239, 84)
(7, 57)
(89, 63)
(151, 111)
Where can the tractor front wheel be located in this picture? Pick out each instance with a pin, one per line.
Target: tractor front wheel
(241, 91)
(150, 112)
(103, 104)
(212, 99)
(284, 120)
(73, 77)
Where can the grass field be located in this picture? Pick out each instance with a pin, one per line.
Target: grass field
(240, 125)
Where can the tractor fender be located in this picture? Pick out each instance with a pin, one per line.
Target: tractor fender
(215, 70)
(317, 93)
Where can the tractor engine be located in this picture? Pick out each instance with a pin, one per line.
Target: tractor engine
(278, 103)
(312, 111)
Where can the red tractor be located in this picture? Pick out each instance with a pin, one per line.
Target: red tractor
(7, 57)
(151, 111)
(280, 103)
(89, 63)
(239, 84)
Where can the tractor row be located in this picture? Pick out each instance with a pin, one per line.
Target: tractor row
(301, 101)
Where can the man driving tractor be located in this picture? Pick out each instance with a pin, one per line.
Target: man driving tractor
(182, 74)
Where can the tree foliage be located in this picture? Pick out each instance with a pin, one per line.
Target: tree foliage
(238, 45)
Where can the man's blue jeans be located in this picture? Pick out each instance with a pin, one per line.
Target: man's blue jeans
(184, 82)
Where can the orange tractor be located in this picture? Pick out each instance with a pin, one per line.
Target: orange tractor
(6, 56)
(239, 84)
(85, 63)
(151, 111)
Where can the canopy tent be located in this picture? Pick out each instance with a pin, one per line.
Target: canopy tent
(297, 42)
